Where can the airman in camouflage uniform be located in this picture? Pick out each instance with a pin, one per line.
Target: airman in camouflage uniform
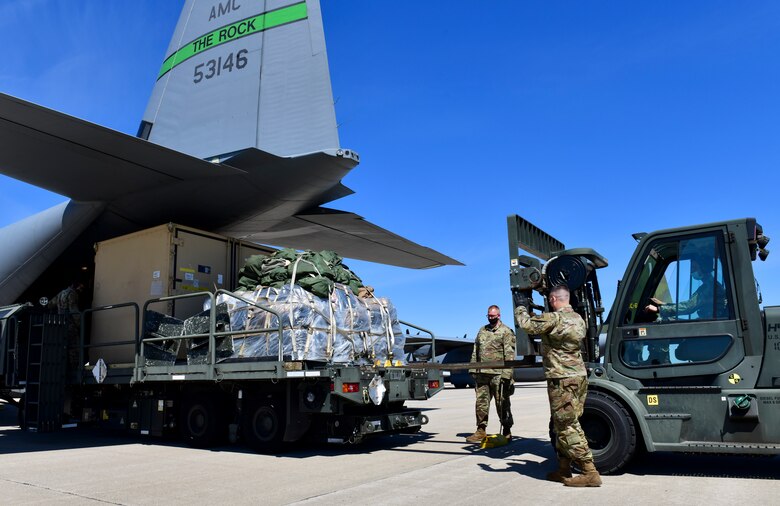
(707, 302)
(562, 332)
(67, 302)
(495, 341)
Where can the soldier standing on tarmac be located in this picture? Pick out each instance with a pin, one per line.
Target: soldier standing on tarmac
(495, 341)
(562, 332)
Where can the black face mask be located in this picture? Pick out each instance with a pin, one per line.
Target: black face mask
(493, 321)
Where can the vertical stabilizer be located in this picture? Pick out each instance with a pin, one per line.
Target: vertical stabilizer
(242, 74)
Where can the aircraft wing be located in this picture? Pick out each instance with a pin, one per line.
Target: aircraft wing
(421, 345)
(252, 194)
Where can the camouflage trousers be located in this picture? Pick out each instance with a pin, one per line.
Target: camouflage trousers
(567, 400)
(491, 386)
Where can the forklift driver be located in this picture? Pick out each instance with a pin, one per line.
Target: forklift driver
(705, 303)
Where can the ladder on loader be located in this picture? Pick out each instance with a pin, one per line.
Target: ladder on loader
(33, 346)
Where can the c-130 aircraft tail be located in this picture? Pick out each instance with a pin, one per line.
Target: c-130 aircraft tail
(256, 75)
(239, 138)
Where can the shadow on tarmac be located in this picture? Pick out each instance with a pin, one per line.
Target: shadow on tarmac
(706, 466)
(653, 464)
(13, 440)
(514, 452)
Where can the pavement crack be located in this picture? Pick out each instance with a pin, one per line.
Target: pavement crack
(64, 492)
(374, 482)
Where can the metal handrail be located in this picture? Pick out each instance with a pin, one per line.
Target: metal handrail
(140, 349)
(433, 338)
(213, 334)
(82, 331)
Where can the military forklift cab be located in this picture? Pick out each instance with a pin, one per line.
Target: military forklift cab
(694, 333)
(691, 362)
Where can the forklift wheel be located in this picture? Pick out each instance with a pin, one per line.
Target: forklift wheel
(610, 430)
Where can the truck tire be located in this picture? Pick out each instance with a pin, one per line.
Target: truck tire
(21, 414)
(610, 431)
(263, 425)
(201, 422)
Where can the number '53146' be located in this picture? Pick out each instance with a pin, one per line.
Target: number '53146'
(213, 68)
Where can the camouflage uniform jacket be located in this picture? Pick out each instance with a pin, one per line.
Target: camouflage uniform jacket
(562, 332)
(67, 302)
(702, 302)
(494, 344)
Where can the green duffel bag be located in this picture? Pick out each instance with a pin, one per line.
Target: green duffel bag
(318, 286)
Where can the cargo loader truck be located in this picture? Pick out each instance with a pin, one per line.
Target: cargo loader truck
(153, 362)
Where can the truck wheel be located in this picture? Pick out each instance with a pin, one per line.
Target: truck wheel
(610, 431)
(201, 423)
(263, 425)
(21, 414)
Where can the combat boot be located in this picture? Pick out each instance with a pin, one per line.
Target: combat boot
(478, 436)
(507, 433)
(589, 477)
(564, 470)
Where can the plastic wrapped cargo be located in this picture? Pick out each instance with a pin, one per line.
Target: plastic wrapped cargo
(197, 348)
(399, 339)
(379, 338)
(385, 334)
(351, 324)
(304, 320)
(161, 325)
(342, 328)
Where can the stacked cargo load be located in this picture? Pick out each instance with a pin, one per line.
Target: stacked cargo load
(325, 312)
(322, 319)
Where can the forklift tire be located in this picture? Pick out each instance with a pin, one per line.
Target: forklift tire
(610, 431)
(201, 422)
(263, 425)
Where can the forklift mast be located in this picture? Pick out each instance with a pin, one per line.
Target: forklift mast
(551, 265)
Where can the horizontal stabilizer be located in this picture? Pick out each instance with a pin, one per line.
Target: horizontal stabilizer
(251, 194)
(351, 236)
(85, 161)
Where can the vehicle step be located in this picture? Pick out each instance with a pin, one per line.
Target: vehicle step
(720, 447)
(680, 389)
(697, 444)
(668, 416)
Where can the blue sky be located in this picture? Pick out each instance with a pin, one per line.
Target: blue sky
(593, 120)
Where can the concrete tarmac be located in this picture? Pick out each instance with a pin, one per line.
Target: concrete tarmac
(435, 466)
